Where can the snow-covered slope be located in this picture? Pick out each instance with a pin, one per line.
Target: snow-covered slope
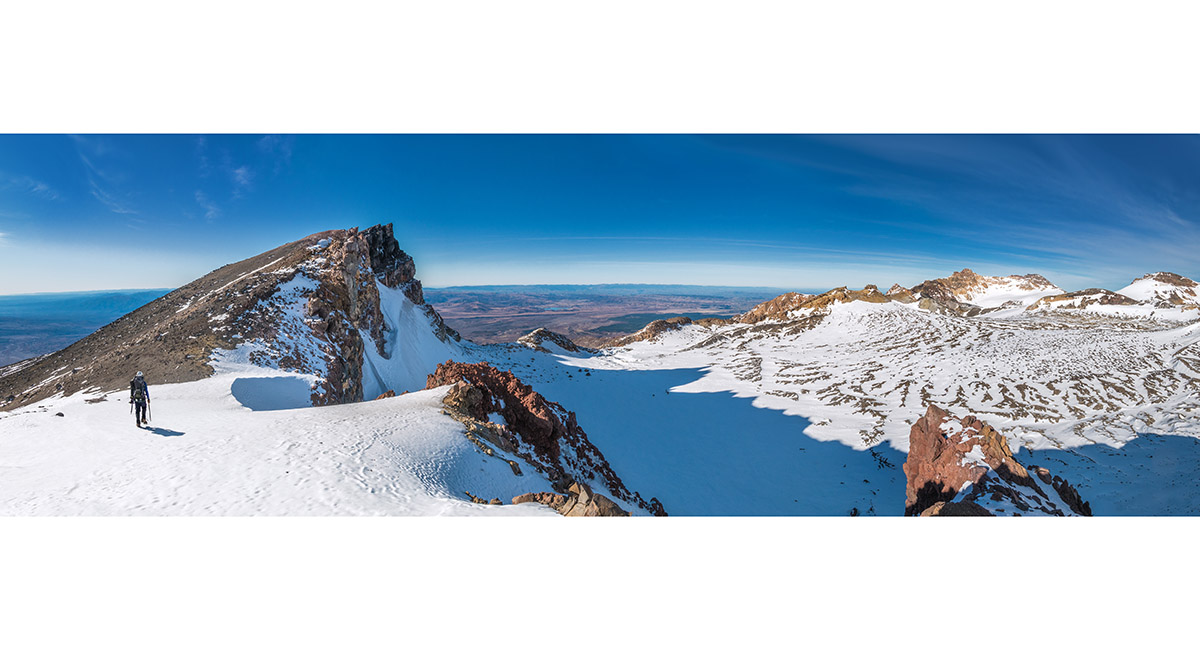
(1164, 288)
(207, 454)
(1071, 396)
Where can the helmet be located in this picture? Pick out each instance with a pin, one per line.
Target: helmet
(139, 374)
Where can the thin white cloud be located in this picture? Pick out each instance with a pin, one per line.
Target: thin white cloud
(242, 177)
(211, 211)
(28, 185)
(108, 200)
(98, 179)
(278, 148)
(202, 157)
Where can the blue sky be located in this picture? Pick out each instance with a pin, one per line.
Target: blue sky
(812, 212)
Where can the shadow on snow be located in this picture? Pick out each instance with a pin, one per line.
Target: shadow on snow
(272, 393)
(1150, 475)
(717, 454)
(166, 433)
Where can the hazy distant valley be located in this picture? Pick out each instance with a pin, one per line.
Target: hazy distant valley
(588, 314)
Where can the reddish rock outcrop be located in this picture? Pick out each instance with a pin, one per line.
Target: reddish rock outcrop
(543, 432)
(387, 394)
(957, 461)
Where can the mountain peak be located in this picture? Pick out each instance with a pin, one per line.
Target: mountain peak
(308, 306)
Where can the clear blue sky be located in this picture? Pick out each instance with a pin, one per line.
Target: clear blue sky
(109, 212)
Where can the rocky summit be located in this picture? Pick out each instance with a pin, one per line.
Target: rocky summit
(309, 306)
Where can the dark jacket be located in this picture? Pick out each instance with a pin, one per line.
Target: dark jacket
(139, 382)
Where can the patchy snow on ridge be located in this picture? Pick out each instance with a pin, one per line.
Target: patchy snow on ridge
(1000, 290)
(816, 414)
(1152, 288)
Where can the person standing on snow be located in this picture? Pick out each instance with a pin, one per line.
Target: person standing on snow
(139, 396)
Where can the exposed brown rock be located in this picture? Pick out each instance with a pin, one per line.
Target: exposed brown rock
(387, 394)
(900, 294)
(958, 509)
(579, 501)
(1087, 298)
(778, 309)
(949, 457)
(774, 309)
(557, 443)
(1169, 278)
(651, 331)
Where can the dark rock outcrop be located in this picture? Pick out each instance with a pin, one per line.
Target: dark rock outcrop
(542, 432)
(391, 265)
(956, 461)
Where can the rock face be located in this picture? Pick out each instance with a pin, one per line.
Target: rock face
(900, 294)
(964, 466)
(393, 266)
(579, 501)
(542, 432)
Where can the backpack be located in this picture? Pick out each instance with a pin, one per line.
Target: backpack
(139, 390)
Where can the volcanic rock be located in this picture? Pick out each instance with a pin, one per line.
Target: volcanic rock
(546, 433)
(956, 461)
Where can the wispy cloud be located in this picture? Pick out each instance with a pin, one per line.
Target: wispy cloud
(204, 167)
(101, 181)
(28, 185)
(1085, 207)
(242, 178)
(108, 200)
(211, 211)
(279, 149)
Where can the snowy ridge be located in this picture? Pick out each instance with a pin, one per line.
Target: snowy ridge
(1164, 288)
